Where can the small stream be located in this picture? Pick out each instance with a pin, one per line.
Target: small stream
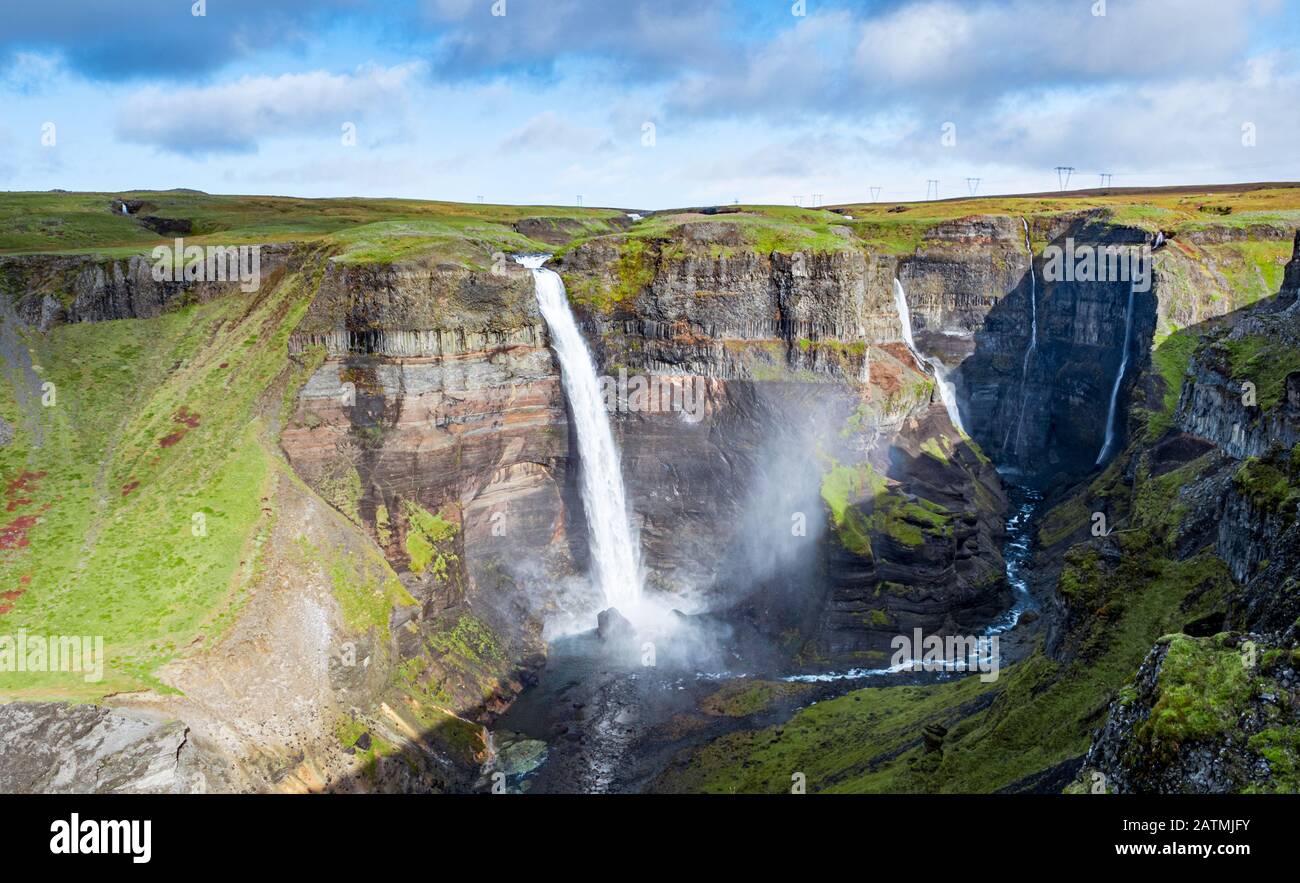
(1017, 551)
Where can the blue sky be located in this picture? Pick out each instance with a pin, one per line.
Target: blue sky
(645, 104)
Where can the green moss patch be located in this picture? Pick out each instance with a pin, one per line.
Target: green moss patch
(1201, 689)
(1265, 362)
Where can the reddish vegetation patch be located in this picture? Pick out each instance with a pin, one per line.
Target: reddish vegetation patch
(12, 596)
(887, 376)
(5, 608)
(26, 481)
(26, 579)
(14, 534)
(224, 365)
(129, 486)
(185, 417)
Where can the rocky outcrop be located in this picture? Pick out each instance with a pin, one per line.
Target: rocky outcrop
(706, 303)
(1214, 709)
(1204, 716)
(52, 748)
(49, 291)
(1242, 391)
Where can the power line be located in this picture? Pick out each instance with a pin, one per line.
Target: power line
(1063, 175)
(973, 184)
(932, 183)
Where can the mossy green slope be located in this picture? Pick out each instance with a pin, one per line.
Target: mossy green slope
(150, 489)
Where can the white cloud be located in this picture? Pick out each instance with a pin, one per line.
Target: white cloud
(234, 117)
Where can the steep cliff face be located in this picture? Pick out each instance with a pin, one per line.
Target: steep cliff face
(1176, 535)
(804, 354)
(255, 636)
(437, 394)
(436, 424)
(1214, 709)
(1046, 356)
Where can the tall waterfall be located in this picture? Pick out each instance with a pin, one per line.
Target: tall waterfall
(1119, 379)
(1033, 343)
(615, 564)
(947, 390)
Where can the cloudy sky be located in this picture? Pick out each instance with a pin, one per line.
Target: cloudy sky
(645, 103)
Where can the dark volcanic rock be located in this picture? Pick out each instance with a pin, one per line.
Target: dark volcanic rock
(613, 626)
(168, 226)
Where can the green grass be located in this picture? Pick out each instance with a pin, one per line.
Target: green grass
(1253, 269)
(367, 229)
(744, 697)
(158, 470)
(1272, 485)
(427, 539)
(1170, 358)
(365, 587)
(1265, 362)
(841, 744)
(1200, 689)
(1037, 714)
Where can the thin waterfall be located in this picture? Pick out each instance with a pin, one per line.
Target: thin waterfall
(1119, 380)
(1033, 344)
(947, 390)
(614, 557)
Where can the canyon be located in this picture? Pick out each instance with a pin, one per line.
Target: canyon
(906, 424)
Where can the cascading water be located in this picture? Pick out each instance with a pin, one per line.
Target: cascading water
(615, 564)
(1119, 380)
(947, 390)
(1033, 344)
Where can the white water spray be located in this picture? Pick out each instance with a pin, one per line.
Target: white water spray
(947, 390)
(615, 564)
(1119, 379)
(1033, 343)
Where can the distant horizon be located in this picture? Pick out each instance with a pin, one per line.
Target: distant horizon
(1224, 187)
